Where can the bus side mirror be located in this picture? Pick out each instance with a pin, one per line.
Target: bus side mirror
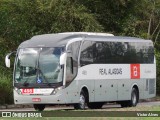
(7, 60)
(63, 58)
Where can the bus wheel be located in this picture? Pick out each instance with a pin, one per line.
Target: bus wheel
(82, 101)
(95, 105)
(39, 107)
(134, 98)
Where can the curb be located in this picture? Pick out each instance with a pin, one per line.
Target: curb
(15, 106)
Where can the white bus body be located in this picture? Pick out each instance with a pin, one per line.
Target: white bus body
(78, 68)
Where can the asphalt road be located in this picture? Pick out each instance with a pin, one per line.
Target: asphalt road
(105, 107)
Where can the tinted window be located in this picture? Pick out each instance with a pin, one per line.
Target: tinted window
(86, 56)
(109, 52)
(116, 53)
(101, 52)
(139, 53)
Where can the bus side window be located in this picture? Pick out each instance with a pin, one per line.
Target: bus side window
(69, 65)
(72, 61)
(86, 56)
(69, 70)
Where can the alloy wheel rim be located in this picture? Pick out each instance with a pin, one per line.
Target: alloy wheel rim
(134, 99)
(82, 101)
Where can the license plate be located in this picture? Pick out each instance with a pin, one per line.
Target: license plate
(36, 99)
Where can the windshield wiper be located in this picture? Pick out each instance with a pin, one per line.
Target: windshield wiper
(26, 82)
(40, 71)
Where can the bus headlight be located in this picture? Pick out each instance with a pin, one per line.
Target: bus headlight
(56, 90)
(18, 91)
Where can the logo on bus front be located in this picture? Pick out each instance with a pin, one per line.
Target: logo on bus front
(135, 71)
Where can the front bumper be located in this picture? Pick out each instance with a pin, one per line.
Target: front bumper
(58, 98)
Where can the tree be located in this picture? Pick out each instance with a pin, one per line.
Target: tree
(22, 19)
(113, 14)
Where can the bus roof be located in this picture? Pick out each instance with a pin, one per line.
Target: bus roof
(61, 39)
(88, 33)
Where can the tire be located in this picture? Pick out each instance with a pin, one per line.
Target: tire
(82, 101)
(134, 98)
(39, 107)
(95, 105)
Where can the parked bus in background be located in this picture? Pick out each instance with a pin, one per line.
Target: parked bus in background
(82, 69)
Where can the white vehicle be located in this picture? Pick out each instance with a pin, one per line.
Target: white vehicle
(83, 69)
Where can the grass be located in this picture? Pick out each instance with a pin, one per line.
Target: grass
(155, 108)
(84, 118)
(138, 108)
(156, 98)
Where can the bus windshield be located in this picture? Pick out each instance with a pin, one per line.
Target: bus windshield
(38, 66)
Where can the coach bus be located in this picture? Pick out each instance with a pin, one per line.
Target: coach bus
(83, 69)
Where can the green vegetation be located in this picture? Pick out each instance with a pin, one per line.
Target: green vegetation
(22, 19)
(84, 118)
(133, 110)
